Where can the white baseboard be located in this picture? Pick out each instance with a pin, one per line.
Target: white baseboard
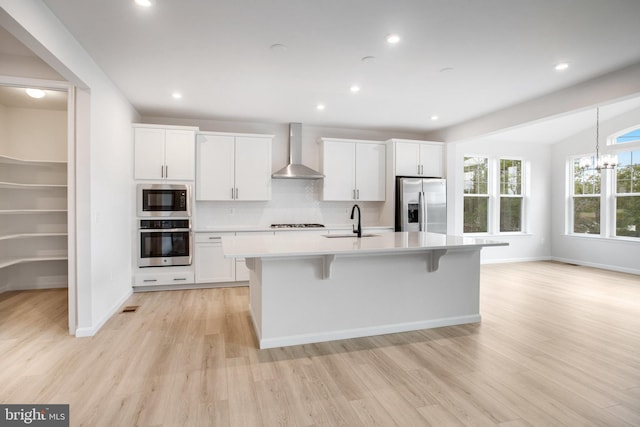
(364, 332)
(509, 260)
(92, 330)
(596, 265)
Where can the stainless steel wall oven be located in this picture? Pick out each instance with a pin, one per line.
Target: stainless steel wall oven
(164, 242)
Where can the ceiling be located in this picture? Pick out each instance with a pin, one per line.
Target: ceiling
(458, 59)
(16, 97)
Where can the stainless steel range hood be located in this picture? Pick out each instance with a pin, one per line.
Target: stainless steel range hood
(295, 169)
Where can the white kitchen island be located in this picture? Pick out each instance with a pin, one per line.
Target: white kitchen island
(312, 288)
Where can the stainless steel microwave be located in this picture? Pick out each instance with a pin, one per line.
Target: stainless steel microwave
(164, 200)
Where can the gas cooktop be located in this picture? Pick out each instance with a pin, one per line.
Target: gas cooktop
(297, 226)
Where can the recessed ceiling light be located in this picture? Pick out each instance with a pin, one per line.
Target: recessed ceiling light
(278, 47)
(561, 66)
(354, 88)
(176, 95)
(144, 3)
(35, 93)
(435, 117)
(393, 38)
(320, 107)
(446, 69)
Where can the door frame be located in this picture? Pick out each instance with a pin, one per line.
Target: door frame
(71, 182)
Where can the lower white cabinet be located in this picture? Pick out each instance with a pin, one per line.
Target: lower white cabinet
(159, 276)
(242, 272)
(210, 264)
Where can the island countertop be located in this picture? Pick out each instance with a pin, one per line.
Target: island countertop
(315, 245)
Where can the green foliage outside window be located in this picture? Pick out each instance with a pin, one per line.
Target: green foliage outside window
(510, 195)
(476, 214)
(628, 194)
(586, 197)
(476, 191)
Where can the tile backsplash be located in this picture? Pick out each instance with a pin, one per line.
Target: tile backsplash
(292, 201)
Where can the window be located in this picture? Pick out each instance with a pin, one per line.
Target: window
(493, 195)
(510, 195)
(627, 195)
(586, 196)
(476, 194)
(628, 137)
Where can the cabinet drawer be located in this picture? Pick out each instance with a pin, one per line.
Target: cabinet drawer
(211, 237)
(163, 279)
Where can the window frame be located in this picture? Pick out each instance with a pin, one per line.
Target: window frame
(608, 191)
(486, 195)
(494, 196)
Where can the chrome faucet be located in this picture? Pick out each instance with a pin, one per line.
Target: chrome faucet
(358, 230)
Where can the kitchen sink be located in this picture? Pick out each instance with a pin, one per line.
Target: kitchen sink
(339, 236)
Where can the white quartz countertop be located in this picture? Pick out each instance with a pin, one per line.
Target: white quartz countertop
(290, 245)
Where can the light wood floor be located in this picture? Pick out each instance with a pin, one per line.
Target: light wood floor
(557, 345)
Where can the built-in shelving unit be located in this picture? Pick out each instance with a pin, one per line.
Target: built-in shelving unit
(33, 223)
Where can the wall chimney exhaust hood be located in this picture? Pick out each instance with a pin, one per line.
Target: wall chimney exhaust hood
(295, 169)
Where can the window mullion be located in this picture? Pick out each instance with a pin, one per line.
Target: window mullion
(494, 195)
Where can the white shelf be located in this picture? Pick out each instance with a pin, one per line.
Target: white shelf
(31, 235)
(31, 211)
(16, 161)
(19, 260)
(30, 186)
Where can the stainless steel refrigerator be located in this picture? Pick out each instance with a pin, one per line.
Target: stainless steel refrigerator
(421, 204)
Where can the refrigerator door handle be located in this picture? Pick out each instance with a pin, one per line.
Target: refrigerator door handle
(422, 212)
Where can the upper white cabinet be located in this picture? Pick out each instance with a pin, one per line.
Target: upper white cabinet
(354, 170)
(164, 153)
(233, 167)
(416, 158)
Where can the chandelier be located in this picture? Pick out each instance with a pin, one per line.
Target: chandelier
(604, 161)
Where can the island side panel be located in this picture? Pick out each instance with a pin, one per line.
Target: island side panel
(365, 295)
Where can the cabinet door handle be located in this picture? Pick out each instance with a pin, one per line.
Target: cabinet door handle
(179, 279)
(161, 171)
(358, 194)
(236, 193)
(233, 192)
(354, 194)
(166, 171)
(149, 280)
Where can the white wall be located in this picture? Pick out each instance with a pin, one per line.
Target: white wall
(103, 162)
(614, 254)
(534, 243)
(36, 134)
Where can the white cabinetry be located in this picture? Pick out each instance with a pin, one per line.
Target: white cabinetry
(233, 167)
(210, 264)
(33, 223)
(164, 153)
(163, 276)
(354, 170)
(417, 158)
